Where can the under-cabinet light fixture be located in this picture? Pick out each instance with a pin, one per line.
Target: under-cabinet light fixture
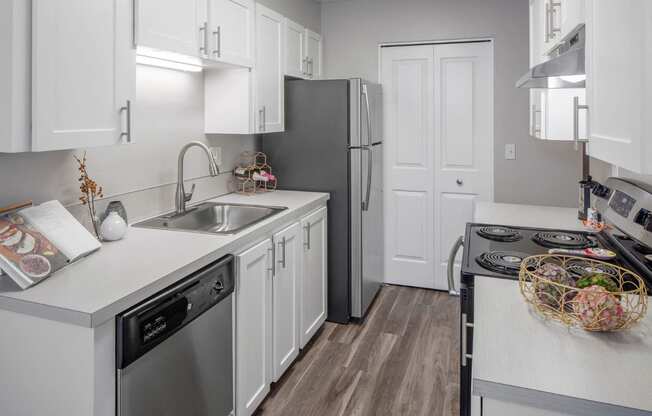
(169, 60)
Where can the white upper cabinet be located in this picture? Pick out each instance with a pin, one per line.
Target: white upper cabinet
(313, 54)
(295, 47)
(619, 82)
(573, 16)
(172, 25)
(537, 40)
(551, 24)
(269, 91)
(83, 73)
(15, 76)
(231, 31)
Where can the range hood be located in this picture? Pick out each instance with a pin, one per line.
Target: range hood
(566, 70)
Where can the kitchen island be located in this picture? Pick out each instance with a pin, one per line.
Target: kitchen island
(524, 365)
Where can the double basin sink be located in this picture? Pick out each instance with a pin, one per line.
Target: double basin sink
(213, 218)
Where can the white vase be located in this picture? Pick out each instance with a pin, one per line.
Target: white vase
(113, 227)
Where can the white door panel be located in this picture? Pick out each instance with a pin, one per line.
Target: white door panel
(439, 159)
(464, 134)
(231, 29)
(407, 77)
(77, 97)
(295, 40)
(169, 25)
(270, 91)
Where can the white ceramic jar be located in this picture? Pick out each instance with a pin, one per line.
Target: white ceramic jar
(113, 227)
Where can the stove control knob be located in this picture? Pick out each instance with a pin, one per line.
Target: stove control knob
(217, 288)
(644, 217)
(601, 191)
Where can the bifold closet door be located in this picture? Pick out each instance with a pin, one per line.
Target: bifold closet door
(438, 153)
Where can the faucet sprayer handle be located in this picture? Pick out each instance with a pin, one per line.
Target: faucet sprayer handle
(188, 196)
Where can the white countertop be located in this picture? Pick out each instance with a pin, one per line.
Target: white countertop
(96, 288)
(527, 216)
(514, 347)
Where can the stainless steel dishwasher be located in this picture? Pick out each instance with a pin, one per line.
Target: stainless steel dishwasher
(174, 352)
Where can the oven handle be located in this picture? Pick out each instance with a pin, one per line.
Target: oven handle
(465, 326)
(451, 265)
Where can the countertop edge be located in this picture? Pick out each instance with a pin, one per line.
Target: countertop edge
(96, 318)
(551, 401)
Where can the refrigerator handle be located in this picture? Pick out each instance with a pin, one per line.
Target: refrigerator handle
(367, 147)
(365, 203)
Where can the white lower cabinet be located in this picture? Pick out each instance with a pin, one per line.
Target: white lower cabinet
(253, 326)
(280, 305)
(285, 299)
(314, 275)
(492, 407)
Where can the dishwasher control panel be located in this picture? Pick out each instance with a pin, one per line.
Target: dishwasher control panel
(149, 323)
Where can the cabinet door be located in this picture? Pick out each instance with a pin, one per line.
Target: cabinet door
(295, 41)
(285, 300)
(314, 277)
(171, 25)
(537, 31)
(618, 60)
(83, 73)
(573, 16)
(270, 94)
(313, 54)
(558, 114)
(253, 327)
(231, 31)
(552, 18)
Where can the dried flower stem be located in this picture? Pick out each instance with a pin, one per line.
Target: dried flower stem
(89, 191)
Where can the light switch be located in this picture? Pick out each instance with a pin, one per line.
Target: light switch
(510, 151)
(216, 151)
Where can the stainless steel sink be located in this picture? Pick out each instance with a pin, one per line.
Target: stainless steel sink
(213, 218)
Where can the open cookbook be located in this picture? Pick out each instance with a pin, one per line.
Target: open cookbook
(37, 241)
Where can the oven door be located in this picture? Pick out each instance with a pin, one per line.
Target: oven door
(467, 406)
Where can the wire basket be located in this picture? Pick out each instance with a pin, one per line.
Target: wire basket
(599, 301)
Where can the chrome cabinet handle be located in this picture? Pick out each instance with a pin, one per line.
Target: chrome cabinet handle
(576, 121)
(312, 68)
(304, 66)
(282, 244)
(535, 129)
(465, 326)
(134, 9)
(261, 119)
(218, 42)
(203, 48)
(307, 242)
(272, 250)
(554, 6)
(127, 134)
(450, 267)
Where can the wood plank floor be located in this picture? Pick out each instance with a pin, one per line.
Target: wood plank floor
(403, 360)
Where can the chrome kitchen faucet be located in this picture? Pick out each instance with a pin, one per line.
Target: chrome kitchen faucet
(181, 197)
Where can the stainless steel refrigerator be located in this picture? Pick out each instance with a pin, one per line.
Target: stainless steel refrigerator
(333, 143)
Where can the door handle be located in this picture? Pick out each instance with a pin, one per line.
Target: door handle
(282, 245)
(127, 134)
(218, 42)
(307, 243)
(576, 121)
(450, 267)
(203, 48)
(465, 336)
(272, 250)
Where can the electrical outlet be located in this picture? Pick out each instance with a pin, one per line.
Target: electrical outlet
(510, 151)
(216, 151)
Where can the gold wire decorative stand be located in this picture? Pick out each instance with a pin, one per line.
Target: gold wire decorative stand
(593, 308)
(246, 176)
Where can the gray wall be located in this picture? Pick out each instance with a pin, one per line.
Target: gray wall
(304, 12)
(169, 112)
(545, 173)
